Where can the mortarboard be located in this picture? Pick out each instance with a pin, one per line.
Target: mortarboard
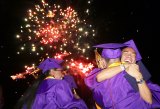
(50, 63)
(111, 50)
(131, 44)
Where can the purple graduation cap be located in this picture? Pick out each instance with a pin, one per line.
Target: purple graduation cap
(111, 50)
(131, 44)
(50, 63)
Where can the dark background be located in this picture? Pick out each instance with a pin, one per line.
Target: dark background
(114, 21)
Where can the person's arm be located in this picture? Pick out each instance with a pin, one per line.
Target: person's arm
(144, 91)
(110, 72)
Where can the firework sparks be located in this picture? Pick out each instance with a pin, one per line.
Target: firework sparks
(76, 67)
(55, 31)
(81, 67)
(62, 55)
(29, 71)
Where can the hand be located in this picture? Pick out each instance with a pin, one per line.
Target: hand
(126, 65)
(133, 70)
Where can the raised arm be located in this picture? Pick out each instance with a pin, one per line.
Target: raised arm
(144, 91)
(109, 72)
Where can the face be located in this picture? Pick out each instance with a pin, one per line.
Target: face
(128, 55)
(56, 73)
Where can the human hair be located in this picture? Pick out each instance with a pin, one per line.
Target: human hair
(29, 95)
(107, 59)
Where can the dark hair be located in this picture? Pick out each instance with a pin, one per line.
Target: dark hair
(28, 97)
(107, 60)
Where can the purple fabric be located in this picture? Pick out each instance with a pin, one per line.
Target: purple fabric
(111, 53)
(56, 94)
(118, 93)
(155, 90)
(111, 50)
(43, 63)
(71, 81)
(50, 63)
(131, 44)
(110, 45)
(90, 80)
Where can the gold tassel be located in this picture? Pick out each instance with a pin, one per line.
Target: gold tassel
(97, 58)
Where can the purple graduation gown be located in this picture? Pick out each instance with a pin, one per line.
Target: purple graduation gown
(56, 94)
(71, 81)
(117, 93)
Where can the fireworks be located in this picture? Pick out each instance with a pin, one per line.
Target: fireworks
(55, 31)
(29, 71)
(76, 67)
(61, 56)
(80, 67)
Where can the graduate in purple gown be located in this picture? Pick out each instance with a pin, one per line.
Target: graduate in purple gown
(52, 92)
(115, 91)
(111, 54)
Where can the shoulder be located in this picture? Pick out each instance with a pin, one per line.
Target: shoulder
(94, 71)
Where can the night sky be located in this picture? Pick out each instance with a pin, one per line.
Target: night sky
(113, 20)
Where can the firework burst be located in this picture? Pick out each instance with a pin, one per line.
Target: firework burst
(55, 31)
(51, 29)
